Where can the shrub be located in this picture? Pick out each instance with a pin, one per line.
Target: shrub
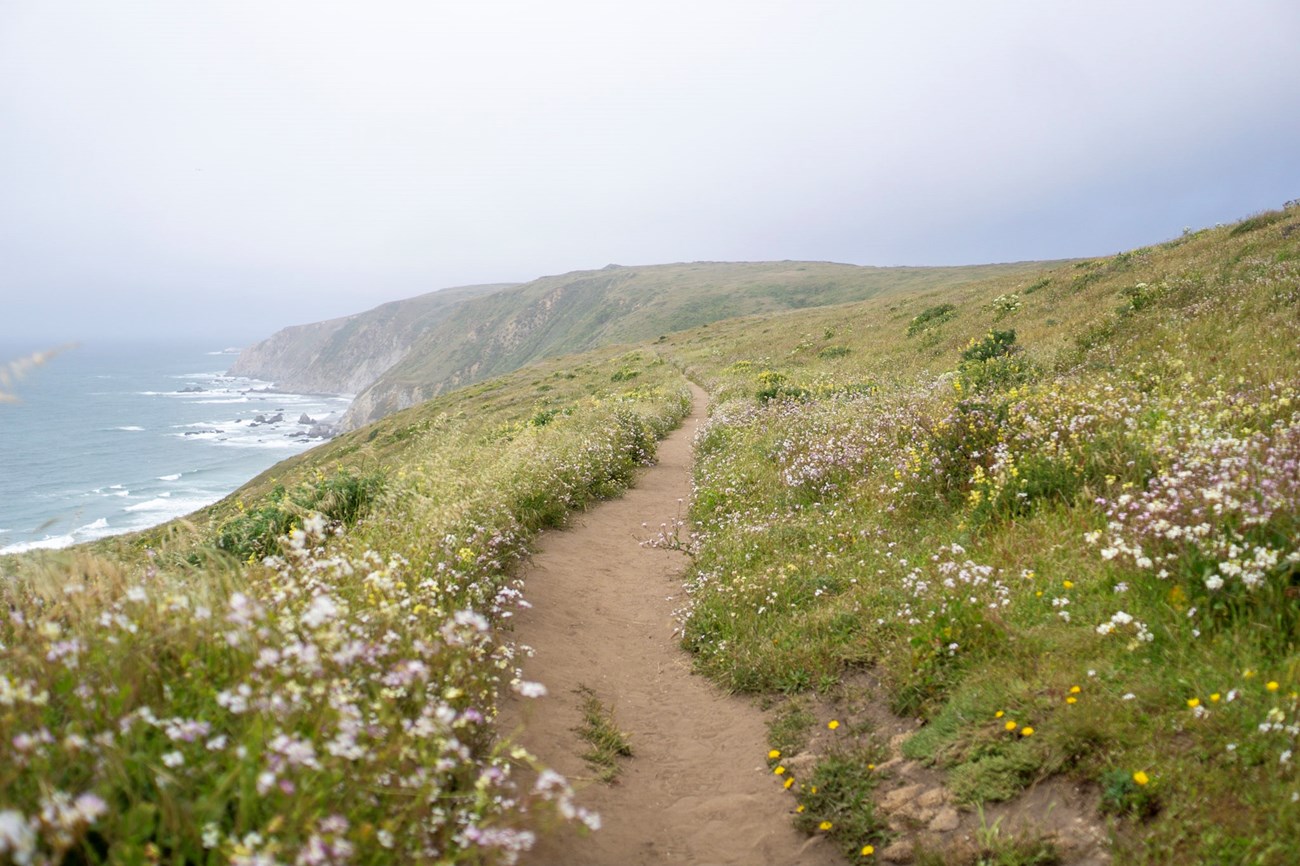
(930, 318)
(342, 498)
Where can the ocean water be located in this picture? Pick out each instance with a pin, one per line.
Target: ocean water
(109, 439)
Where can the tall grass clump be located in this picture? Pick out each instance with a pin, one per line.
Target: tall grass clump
(165, 699)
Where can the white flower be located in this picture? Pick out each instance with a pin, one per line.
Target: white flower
(173, 759)
(17, 838)
(530, 690)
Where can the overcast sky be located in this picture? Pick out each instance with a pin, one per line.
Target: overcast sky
(223, 169)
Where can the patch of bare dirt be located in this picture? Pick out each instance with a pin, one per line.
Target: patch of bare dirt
(697, 789)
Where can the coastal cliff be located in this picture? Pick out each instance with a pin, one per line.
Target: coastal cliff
(405, 352)
(345, 355)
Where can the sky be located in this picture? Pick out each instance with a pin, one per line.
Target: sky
(217, 171)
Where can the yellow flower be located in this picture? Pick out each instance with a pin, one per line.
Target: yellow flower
(999, 714)
(1026, 731)
(1068, 584)
(814, 789)
(1271, 685)
(825, 825)
(1074, 690)
(1247, 673)
(1193, 702)
(780, 771)
(1010, 726)
(1071, 700)
(833, 724)
(868, 850)
(1214, 698)
(1141, 778)
(774, 754)
(799, 808)
(788, 782)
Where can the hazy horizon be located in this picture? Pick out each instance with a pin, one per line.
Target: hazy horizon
(221, 172)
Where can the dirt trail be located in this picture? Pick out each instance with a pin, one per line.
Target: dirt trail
(698, 790)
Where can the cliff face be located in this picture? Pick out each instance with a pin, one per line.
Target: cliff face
(558, 315)
(344, 356)
(405, 352)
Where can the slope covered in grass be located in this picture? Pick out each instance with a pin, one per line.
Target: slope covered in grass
(1058, 514)
(310, 671)
(574, 312)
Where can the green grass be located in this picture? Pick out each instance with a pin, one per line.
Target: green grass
(983, 533)
(607, 742)
(313, 661)
(970, 515)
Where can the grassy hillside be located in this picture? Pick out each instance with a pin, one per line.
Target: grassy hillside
(347, 354)
(1058, 516)
(310, 670)
(1055, 514)
(574, 312)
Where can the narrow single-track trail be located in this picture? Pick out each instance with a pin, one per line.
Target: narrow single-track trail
(697, 789)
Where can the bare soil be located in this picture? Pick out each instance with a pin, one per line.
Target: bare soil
(697, 789)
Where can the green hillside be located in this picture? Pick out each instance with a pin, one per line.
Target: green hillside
(1052, 513)
(347, 354)
(1056, 516)
(574, 312)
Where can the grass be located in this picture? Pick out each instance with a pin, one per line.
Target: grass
(607, 742)
(1086, 527)
(206, 691)
(1069, 548)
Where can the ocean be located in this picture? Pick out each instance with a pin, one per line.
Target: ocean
(106, 439)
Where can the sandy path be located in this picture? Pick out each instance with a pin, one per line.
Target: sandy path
(698, 790)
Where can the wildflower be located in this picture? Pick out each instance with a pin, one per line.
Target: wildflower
(17, 838)
(833, 724)
(1026, 731)
(789, 781)
(1271, 685)
(1010, 726)
(1193, 703)
(825, 825)
(799, 808)
(1071, 700)
(868, 850)
(1214, 698)
(774, 754)
(1074, 690)
(1141, 778)
(999, 714)
(780, 771)
(1068, 584)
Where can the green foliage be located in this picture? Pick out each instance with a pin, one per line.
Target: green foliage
(994, 344)
(830, 353)
(607, 742)
(216, 709)
(997, 536)
(839, 793)
(1257, 222)
(931, 317)
(997, 773)
(1122, 795)
(342, 498)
